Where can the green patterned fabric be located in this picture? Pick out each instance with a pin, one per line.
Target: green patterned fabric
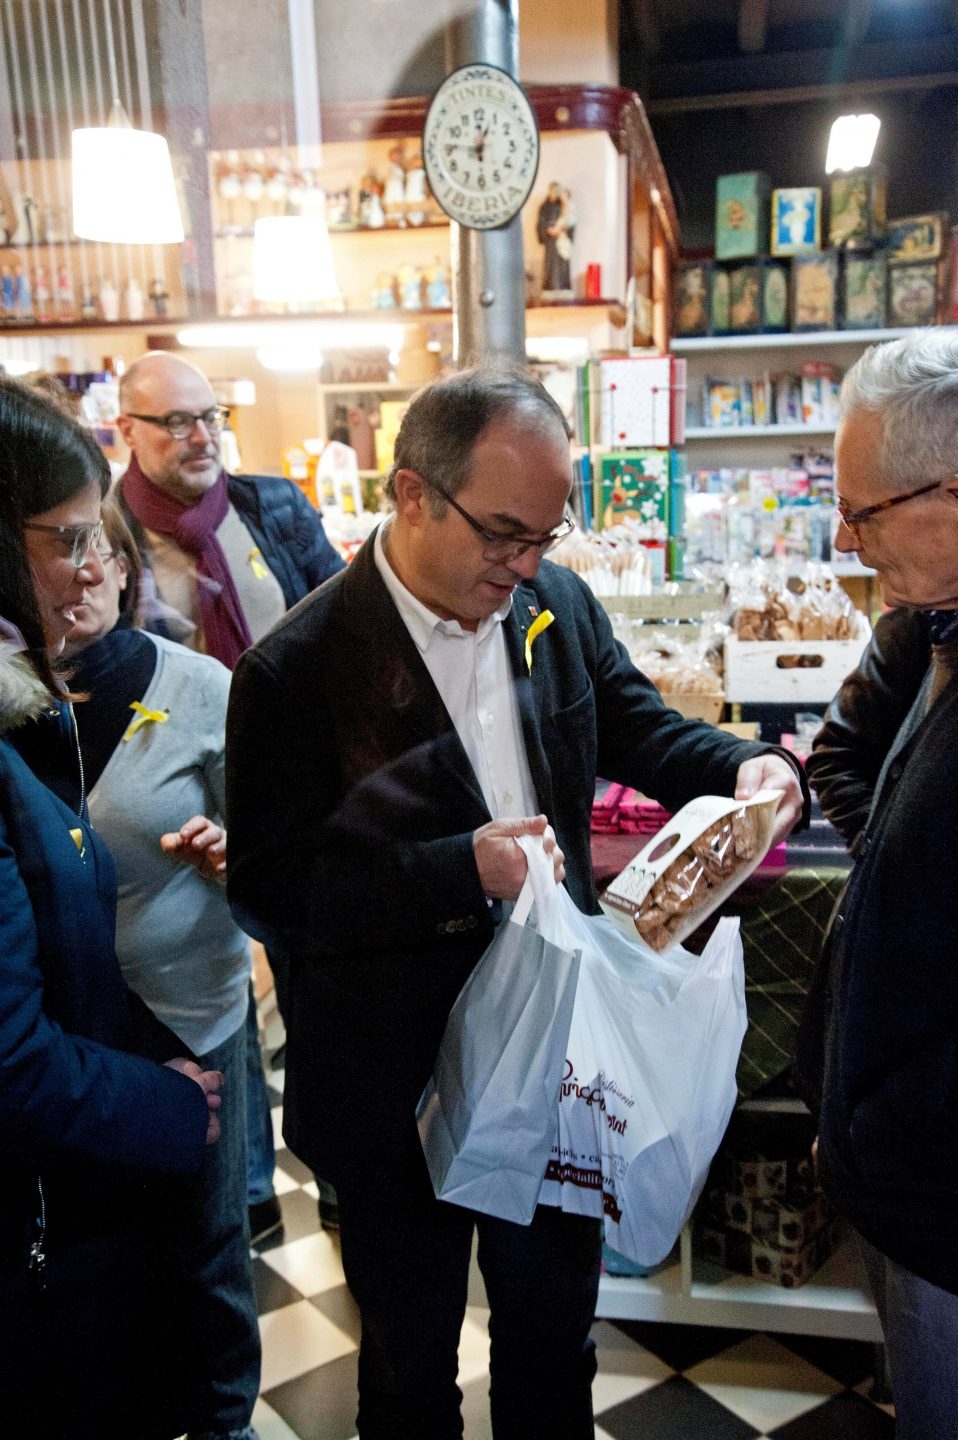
(782, 939)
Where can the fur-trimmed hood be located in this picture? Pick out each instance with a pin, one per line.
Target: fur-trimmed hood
(23, 695)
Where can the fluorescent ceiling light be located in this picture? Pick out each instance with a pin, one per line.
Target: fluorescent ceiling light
(332, 334)
(295, 356)
(851, 143)
(123, 187)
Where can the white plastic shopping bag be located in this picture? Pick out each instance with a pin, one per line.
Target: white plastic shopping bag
(649, 1082)
(487, 1117)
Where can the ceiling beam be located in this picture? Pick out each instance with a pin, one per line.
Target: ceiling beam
(798, 94)
(752, 25)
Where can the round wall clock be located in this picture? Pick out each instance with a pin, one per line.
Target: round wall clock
(480, 146)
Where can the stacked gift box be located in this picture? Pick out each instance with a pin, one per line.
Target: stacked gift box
(762, 1212)
(771, 273)
(631, 409)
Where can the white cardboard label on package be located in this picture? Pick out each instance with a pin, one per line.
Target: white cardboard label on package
(624, 896)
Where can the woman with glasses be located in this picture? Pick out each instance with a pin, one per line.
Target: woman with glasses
(151, 733)
(99, 1105)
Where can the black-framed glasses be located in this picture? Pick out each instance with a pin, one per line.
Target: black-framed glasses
(182, 423)
(80, 538)
(507, 547)
(851, 519)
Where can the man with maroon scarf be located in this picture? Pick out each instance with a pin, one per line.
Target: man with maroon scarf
(228, 555)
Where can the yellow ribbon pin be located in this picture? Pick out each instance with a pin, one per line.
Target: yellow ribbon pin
(143, 717)
(256, 563)
(77, 837)
(542, 622)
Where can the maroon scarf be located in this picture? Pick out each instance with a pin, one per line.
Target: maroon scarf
(193, 528)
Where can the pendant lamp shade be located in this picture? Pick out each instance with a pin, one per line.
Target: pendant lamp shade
(293, 261)
(123, 187)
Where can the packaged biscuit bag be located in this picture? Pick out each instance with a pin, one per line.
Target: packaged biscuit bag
(686, 871)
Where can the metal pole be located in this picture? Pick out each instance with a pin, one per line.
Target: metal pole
(488, 271)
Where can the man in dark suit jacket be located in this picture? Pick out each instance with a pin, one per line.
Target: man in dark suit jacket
(878, 1050)
(386, 743)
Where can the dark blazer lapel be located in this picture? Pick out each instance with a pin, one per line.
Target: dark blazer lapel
(385, 663)
(529, 690)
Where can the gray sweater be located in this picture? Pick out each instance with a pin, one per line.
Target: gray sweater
(179, 947)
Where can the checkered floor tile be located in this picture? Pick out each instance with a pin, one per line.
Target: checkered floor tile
(659, 1382)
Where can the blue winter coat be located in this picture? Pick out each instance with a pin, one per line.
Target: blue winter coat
(88, 1120)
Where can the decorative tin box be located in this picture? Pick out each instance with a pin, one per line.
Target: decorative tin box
(745, 298)
(774, 295)
(815, 291)
(741, 215)
(856, 208)
(796, 220)
(918, 237)
(864, 291)
(692, 303)
(913, 294)
(721, 319)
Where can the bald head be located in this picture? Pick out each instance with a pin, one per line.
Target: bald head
(156, 385)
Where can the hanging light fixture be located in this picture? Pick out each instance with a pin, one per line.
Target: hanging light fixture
(851, 142)
(293, 263)
(123, 186)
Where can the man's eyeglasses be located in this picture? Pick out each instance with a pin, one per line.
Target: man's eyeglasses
(181, 423)
(851, 519)
(80, 538)
(507, 547)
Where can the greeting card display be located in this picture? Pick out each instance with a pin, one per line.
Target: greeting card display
(864, 292)
(741, 215)
(796, 220)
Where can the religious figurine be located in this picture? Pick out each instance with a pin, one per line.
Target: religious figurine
(437, 287)
(133, 306)
(8, 292)
(409, 280)
(158, 296)
(416, 191)
(394, 195)
(555, 226)
(109, 300)
(66, 300)
(384, 291)
(41, 294)
(22, 294)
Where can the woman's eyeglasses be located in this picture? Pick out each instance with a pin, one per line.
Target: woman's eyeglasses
(80, 538)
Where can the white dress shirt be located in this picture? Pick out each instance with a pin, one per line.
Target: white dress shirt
(471, 671)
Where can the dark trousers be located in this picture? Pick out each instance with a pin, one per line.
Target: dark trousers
(406, 1257)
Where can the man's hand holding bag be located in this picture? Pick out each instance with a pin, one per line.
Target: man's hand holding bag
(487, 1118)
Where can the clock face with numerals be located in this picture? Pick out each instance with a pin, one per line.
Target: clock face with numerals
(480, 146)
